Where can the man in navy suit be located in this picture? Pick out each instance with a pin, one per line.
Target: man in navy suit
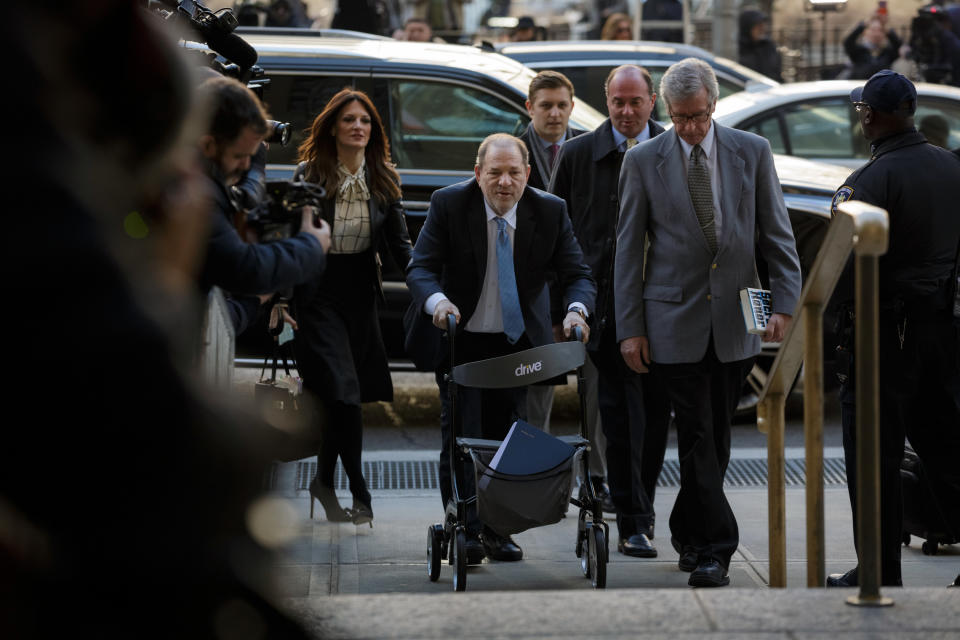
(634, 412)
(483, 256)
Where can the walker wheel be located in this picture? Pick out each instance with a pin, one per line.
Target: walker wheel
(460, 561)
(434, 551)
(598, 558)
(583, 546)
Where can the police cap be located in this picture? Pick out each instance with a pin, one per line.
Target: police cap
(885, 91)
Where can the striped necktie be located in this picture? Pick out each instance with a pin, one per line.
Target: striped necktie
(698, 182)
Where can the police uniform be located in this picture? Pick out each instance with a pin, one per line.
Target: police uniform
(919, 186)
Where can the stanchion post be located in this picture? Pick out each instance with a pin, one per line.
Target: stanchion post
(772, 418)
(869, 247)
(813, 441)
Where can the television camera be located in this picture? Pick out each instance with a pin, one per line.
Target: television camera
(278, 214)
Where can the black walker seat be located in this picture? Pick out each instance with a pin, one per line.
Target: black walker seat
(510, 503)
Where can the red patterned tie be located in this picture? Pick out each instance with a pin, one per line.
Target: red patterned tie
(554, 150)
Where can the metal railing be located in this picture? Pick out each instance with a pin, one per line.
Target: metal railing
(863, 229)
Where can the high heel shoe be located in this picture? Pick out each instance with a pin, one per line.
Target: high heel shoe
(328, 500)
(361, 514)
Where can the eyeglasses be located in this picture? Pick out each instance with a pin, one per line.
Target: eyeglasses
(699, 118)
(861, 106)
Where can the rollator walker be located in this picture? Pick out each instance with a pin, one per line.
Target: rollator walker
(513, 503)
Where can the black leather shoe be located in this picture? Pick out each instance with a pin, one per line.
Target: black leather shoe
(848, 579)
(688, 557)
(637, 545)
(709, 574)
(474, 549)
(500, 548)
(602, 490)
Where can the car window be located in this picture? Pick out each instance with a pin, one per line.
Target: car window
(824, 129)
(298, 100)
(939, 121)
(815, 129)
(769, 128)
(437, 125)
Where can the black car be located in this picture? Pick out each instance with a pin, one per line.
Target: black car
(587, 63)
(437, 101)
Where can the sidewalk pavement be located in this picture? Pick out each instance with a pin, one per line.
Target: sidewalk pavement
(345, 581)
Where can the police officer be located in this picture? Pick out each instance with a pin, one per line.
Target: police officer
(919, 394)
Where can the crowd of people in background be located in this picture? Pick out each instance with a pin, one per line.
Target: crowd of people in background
(871, 45)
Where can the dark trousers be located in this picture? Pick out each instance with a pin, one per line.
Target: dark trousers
(481, 413)
(919, 397)
(342, 435)
(704, 396)
(630, 405)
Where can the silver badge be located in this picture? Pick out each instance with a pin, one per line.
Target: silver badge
(843, 194)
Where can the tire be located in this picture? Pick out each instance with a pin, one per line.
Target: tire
(929, 548)
(598, 558)
(583, 545)
(460, 561)
(905, 539)
(434, 551)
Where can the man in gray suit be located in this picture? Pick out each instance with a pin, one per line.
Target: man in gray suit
(702, 196)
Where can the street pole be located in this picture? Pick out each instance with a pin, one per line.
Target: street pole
(725, 28)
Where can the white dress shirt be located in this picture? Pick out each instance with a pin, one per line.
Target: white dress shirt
(621, 140)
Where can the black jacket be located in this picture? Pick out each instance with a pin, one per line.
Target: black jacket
(241, 268)
(760, 55)
(537, 171)
(388, 228)
(919, 186)
(451, 255)
(864, 62)
(587, 177)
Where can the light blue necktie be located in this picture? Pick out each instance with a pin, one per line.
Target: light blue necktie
(507, 281)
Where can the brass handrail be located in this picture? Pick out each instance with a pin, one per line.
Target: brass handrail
(863, 229)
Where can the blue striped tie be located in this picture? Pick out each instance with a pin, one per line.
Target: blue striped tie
(507, 281)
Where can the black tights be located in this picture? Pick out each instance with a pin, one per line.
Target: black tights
(342, 435)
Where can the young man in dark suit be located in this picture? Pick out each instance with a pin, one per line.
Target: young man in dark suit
(549, 103)
(633, 408)
(483, 256)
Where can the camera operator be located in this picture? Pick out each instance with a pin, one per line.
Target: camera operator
(934, 46)
(237, 129)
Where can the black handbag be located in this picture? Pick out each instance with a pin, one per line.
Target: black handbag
(284, 406)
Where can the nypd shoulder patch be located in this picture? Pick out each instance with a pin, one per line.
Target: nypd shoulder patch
(843, 194)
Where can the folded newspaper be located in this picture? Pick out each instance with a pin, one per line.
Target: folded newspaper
(756, 306)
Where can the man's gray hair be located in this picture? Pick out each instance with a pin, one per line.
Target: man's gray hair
(686, 78)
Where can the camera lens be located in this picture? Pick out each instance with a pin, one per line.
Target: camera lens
(279, 132)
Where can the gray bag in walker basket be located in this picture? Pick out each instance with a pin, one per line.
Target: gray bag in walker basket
(510, 504)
